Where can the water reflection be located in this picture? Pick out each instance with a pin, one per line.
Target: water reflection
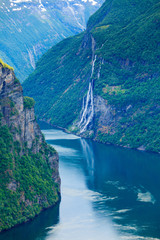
(130, 181)
(77, 218)
(38, 228)
(123, 186)
(88, 154)
(107, 193)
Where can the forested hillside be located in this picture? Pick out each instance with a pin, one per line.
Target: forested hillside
(105, 82)
(29, 176)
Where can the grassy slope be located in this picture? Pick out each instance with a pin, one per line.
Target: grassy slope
(127, 39)
(5, 65)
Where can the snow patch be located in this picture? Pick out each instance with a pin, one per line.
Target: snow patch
(78, 4)
(20, 1)
(93, 2)
(42, 8)
(16, 9)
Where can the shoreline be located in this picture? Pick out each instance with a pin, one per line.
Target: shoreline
(32, 219)
(95, 140)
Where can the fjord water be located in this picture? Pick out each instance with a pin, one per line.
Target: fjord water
(107, 193)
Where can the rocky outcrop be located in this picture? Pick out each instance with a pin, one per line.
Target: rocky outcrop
(29, 173)
(21, 120)
(106, 117)
(103, 113)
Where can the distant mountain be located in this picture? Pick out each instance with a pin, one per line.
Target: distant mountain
(105, 82)
(29, 27)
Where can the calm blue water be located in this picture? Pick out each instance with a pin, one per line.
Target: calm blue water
(107, 193)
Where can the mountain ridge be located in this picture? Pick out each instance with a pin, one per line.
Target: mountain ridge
(119, 99)
(30, 28)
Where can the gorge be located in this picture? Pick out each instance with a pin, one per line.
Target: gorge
(102, 87)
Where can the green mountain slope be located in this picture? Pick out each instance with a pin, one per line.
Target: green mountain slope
(121, 47)
(29, 177)
(29, 28)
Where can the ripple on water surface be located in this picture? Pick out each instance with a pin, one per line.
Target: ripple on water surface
(107, 193)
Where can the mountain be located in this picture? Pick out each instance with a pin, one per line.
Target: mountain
(105, 82)
(29, 176)
(30, 27)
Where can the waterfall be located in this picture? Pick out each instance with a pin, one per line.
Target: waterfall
(93, 63)
(87, 111)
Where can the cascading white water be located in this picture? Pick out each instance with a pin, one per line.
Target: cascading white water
(88, 106)
(93, 63)
(87, 110)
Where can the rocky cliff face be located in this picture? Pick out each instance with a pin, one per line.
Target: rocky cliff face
(29, 175)
(19, 119)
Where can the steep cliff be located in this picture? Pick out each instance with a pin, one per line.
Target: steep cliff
(104, 83)
(29, 176)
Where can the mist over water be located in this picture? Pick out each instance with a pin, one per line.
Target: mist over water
(107, 193)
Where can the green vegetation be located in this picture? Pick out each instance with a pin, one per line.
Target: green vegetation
(16, 81)
(28, 102)
(26, 181)
(27, 184)
(63, 99)
(6, 65)
(128, 52)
